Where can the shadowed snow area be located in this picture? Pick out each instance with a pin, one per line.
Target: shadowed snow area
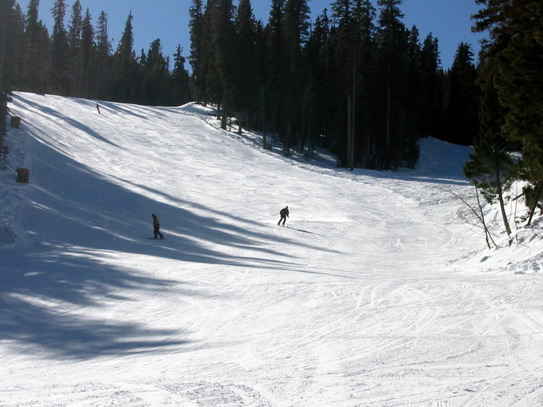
(377, 293)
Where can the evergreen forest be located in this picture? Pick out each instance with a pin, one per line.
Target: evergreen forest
(355, 79)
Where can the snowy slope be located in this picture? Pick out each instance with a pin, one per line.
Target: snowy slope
(371, 296)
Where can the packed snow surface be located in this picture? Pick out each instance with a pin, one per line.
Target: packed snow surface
(378, 292)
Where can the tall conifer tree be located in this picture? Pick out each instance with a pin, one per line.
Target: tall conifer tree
(199, 49)
(180, 78)
(295, 22)
(103, 59)
(75, 60)
(514, 57)
(87, 56)
(316, 114)
(491, 167)
(126, 68)
(463, 98)
(60, 46)
(431, 89)
(222, 63)
(11, 44)
(155, 76)
(275, 43)
(36, 64)
(519, 83)
(393, 65)
(246, 89)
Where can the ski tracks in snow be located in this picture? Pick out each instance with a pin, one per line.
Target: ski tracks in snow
(361, 300)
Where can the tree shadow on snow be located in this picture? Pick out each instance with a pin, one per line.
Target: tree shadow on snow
(47, 112)
(97, 212)
(33, 286)
(72, 216)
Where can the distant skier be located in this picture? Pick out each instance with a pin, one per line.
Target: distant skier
(284, 215)
(156, 227)
(98, 108)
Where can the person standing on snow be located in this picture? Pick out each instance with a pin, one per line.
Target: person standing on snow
(98, 108)
(156, 227)
(284, 215)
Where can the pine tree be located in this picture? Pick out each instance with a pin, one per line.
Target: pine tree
(274, 44)
(392, 39)
(199, 49)
(87, 57)
(126, 67)
(11, 44)
(209, 71)
(491, 167)
(75, 61)
(431, 89)
(519, 84)
(60, 49)
(463, 98)
(180, 78)
(246, 87)
(316, 114)
(103, 60)
(222, 65)
(75, 27)
(415, 91)
(6, 9)
(344, 44)
(353, 46)
(261, 65)
(295, 28)
(155, 76)
(36, 64)
(364, 15)
(515, 55)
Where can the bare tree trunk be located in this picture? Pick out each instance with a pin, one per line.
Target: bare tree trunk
(502, 204)
(389, 102)
(224, 116)
(482, 218)
(349, 131)
(539, 188)
(480, 215)
(353, 116)
(263, 118)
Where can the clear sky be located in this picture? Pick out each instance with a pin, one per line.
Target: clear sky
(447, 20)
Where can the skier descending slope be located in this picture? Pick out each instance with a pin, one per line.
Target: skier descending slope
(284, 215)
(156, 227)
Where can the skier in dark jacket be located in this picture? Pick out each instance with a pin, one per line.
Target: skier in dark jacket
(284, 215)
(156, 227)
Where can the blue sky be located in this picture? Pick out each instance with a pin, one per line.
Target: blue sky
(448, 20)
